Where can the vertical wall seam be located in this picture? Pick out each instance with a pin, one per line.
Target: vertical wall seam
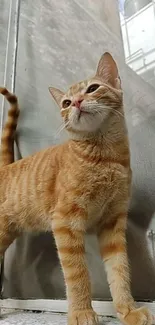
(6, 62)
(17, 15)
(11, 52)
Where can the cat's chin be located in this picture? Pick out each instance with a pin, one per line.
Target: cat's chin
(86, 123)
(83, 132)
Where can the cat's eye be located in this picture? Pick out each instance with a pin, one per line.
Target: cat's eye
(66, 103)
(92, 88)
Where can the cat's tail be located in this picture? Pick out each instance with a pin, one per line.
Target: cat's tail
(8, 133)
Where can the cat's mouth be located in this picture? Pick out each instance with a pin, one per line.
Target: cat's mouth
(81, 117)
(82, 112)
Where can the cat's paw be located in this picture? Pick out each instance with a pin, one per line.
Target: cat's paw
(83, 317)
(140, 316)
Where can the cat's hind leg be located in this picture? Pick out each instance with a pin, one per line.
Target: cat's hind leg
(7, 234)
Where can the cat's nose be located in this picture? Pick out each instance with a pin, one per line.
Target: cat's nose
(77, 103)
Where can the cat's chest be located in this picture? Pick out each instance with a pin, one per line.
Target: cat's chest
(98, 203)
(98, 189)
(98, 183)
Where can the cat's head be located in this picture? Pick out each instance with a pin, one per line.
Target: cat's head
(87, 105)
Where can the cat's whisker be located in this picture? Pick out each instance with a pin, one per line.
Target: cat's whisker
(96, 111)
(92, 109)
(61, 128)
(116, 112)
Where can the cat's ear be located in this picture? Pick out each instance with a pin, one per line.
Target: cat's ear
(107, 70)
(56, 94)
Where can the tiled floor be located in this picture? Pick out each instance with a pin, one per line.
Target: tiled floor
(43, 318)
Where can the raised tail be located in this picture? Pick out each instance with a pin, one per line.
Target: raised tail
(8, 133)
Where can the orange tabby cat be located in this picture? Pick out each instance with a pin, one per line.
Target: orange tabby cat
(81, 185)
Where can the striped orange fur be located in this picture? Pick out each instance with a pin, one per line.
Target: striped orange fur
(8, 134)
(79, 186)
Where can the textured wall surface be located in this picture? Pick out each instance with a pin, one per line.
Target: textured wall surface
(60, 42)
(4, 14)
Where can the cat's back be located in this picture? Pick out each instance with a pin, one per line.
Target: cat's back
(25, 175)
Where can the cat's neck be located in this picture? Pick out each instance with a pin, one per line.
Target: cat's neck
(109, 142)
(111, 131)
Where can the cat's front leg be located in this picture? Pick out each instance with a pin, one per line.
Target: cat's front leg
(112, 239)
(69, 236)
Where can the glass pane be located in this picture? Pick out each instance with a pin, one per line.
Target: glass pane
(138, 30)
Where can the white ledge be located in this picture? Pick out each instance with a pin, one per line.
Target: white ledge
(102, 308)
